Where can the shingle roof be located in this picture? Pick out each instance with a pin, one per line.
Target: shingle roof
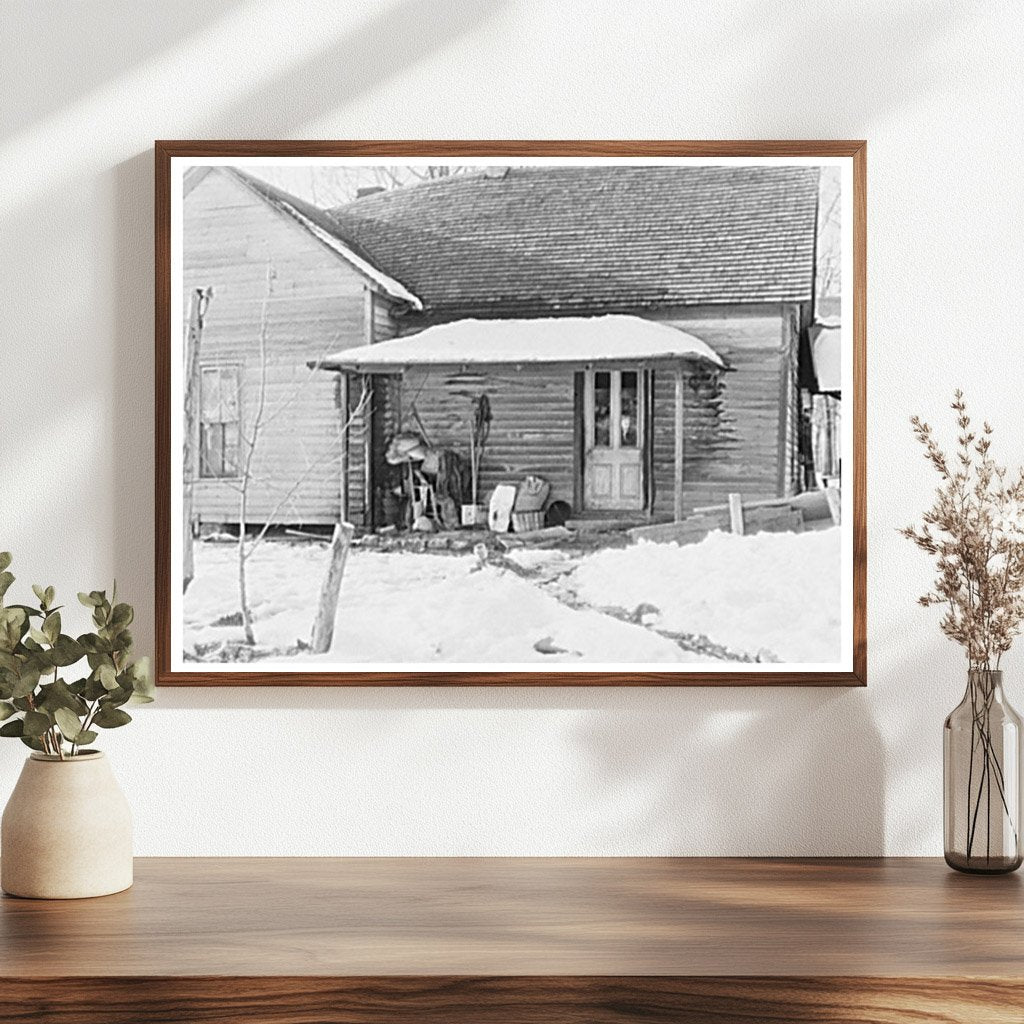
(594, 238)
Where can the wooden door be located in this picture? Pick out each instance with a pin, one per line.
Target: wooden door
(613, 432)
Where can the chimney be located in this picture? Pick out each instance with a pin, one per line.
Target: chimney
(368, 190)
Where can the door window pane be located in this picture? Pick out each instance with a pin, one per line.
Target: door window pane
(602, 409)
(630, 405)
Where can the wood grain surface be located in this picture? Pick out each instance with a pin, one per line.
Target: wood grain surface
(284, 941)
(166, 150)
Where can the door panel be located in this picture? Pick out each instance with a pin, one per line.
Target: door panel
(613, 433)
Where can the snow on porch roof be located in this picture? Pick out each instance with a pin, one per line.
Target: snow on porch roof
(569, 339)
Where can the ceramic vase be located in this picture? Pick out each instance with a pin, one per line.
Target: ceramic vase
(66, 831)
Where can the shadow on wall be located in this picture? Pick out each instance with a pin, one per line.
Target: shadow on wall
(739, 771)
(114, 34)
(826, 60)
(686, 772)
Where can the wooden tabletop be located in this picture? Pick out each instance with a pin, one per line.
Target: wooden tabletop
(510, 917)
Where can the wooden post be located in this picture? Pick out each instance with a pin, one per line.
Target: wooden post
(369, 504)
(327, 609)
(736, 513)
(343, 475)
(198, 302)
(678, 472)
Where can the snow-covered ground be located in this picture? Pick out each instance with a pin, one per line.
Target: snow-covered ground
(775, 593)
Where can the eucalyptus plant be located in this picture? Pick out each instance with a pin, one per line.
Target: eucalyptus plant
(37, 704)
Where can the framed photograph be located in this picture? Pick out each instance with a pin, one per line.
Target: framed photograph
(493, 413)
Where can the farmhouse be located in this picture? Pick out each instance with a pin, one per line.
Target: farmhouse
(283, 290)
(640, 336)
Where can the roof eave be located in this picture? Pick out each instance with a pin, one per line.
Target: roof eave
(391, 286)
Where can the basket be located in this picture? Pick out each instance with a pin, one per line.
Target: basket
(523, 522)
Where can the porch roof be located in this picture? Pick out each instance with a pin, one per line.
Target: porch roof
(566, 340)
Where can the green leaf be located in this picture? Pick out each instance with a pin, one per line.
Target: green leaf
(6, 710)
(115, 698)
(93, 644)
(66, 651)
(89, 600)
(59, 695)
(142, 682)
(122, 616)
(12, 627)
(107, 676)
(31, 741)
(5, 560)
(13, 728)
(6, 579)
(51, 626)
(40, 592)
(36, 723)
(38, 635)
(108, 718)
(69, 724)
(86, 736)
(94, 689)
(27, 681)
(29, 611)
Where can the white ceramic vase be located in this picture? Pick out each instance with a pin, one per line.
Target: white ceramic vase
(66, 831)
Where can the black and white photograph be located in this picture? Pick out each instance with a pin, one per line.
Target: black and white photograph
(511, 414)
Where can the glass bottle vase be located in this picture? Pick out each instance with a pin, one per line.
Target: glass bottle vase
(981, 771)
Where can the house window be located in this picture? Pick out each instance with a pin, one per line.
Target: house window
(219, 422)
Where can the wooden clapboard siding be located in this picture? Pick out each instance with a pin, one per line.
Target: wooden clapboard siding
(380, 417)
(732, 420)
(740, 427)
(317, 305)
(531, 430)
(789, 405)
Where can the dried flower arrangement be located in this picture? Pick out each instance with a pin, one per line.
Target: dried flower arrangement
(975, 531)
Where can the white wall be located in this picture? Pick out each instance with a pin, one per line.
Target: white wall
(937, 89)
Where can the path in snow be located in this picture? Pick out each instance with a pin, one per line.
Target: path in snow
(409, 608)
(729, 598)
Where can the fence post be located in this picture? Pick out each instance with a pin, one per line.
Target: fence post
(327, 608)
(736, 513)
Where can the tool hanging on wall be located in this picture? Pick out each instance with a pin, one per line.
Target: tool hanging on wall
(479, 431)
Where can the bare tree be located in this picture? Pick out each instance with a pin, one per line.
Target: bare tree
(263, 417)
(327, 186)
(830, 262)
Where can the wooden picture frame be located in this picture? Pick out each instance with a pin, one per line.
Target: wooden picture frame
(172, 156)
